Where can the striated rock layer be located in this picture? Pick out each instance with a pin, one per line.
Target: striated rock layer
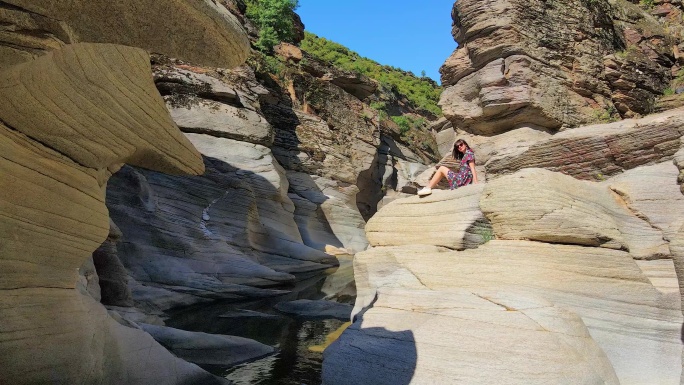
(552, 294)
(53, 186)
(198, 30)
(599, 151)
(554, 64)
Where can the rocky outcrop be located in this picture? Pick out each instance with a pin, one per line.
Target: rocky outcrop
(230, 233)
(550, 207)
(598, 61)
(599, 151)
(448, 223)
(534, 279)
(290, 174)
(355, 84)
(198, 30)
(208, 349)
(54, 177)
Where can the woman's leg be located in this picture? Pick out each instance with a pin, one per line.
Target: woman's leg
(442, 172)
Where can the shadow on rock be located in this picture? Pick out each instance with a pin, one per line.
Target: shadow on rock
(370, 355)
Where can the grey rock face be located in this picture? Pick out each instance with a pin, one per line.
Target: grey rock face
(208, 349)
(316, 309)
(227, 234)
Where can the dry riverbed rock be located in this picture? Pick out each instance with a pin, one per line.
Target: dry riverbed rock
(561, 258)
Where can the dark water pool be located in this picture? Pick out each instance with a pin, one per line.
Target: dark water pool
(295, 362)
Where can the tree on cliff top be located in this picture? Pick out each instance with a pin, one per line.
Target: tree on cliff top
(274, 19)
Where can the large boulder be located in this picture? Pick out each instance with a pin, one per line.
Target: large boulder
(427, 305)
(599, 151)
(541, 205)
(70, 119)
(447, 219)
(554, 255)
(199, 30)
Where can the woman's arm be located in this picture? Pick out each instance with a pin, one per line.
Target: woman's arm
(471, 164)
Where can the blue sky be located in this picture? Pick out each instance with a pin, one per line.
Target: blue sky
(411, 35)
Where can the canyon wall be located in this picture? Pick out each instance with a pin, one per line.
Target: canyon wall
(269, 177)
(72, 114)
(552, 65)
(561, 265)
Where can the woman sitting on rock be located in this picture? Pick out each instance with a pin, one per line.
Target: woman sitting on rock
(466, 169)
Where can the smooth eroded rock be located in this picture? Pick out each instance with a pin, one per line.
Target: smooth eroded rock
(208, 349)
(198, 30)
(541, 205)
(70, 119)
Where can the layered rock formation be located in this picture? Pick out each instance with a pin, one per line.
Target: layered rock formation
(566, 302)
(559, 269)
(281, 167)
(197, 30)
(279, 191)
(70, 119)
(555, 64)
(54, 176)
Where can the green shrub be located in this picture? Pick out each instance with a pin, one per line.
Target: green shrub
(266, 66)
(607, 114)
(408, 122)
(381, 108)
(274, 18)
(647, 3)
(486, 233)
(403, 123)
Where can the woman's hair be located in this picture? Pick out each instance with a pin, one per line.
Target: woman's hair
(458, 154)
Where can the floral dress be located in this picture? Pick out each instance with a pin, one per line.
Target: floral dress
(464, 175)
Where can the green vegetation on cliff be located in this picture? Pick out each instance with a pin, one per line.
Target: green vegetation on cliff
(421, 92)
(274, 19)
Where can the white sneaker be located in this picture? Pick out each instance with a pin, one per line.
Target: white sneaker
(424, 191)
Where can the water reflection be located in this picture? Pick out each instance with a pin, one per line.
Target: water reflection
(294, 363)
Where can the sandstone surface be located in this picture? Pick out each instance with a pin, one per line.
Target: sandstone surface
(54, 175)
(661, 207)
(540, 205)
(599, 61)
(419, 303)
(447, 219)
(198, 30)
